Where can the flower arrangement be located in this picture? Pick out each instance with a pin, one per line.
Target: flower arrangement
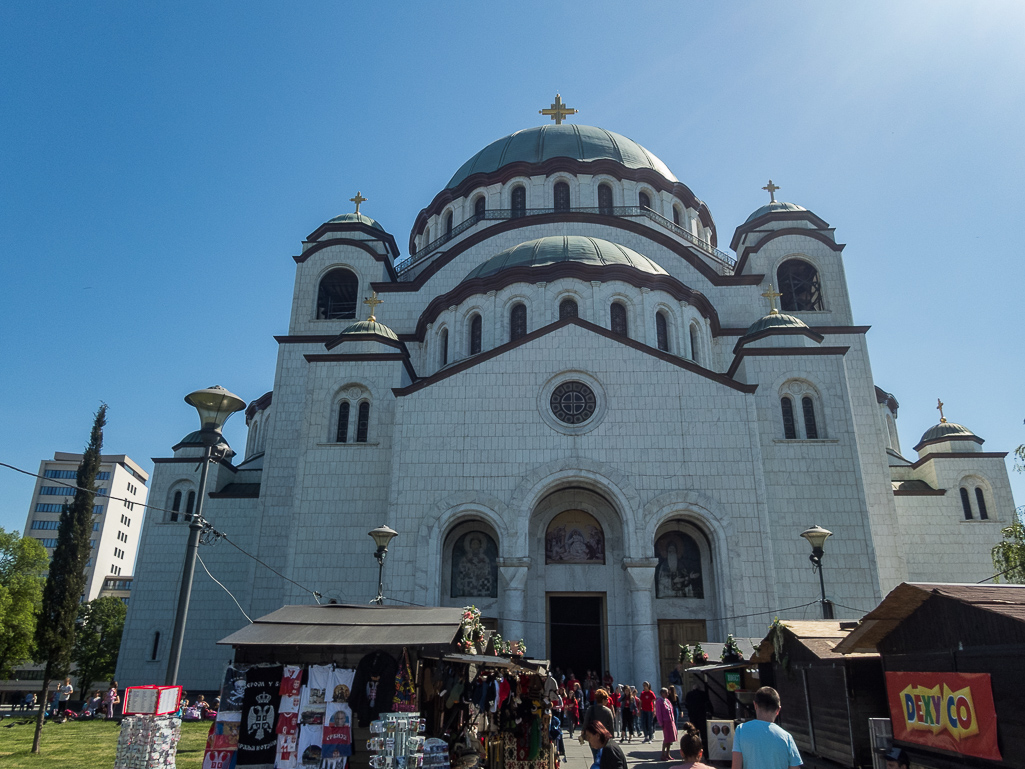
(508, 648)
(473, 635)
(698, 655)
(684, 654)
(731, 651)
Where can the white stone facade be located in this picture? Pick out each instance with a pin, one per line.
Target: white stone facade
(688, 439)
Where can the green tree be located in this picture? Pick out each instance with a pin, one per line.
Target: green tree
(22, 574)
(98, 639)
(1009, 553)
(65, 583)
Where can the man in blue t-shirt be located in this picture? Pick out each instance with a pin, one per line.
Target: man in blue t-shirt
(760, 744)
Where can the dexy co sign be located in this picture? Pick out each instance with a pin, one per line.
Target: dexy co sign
(946, 711)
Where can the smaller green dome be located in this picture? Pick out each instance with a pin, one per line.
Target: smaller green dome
(356, 219)
(775, 321)
(776, 207)
(371, 327)
(948, 431)
(196, 439)
(554, 249)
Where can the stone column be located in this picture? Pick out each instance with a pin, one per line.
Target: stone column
(514, 597)
(641, 584)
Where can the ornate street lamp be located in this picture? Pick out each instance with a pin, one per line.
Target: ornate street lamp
(817, 537)
(382, 536)
(215, 405)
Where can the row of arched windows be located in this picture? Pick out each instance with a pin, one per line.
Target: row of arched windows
(966, 504)
(567, 309)
(343, 430)
(811, 430)
(177, 514)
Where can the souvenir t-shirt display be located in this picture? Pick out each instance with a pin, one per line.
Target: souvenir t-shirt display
(338, 716)
(291, 678)
(232, 690)
(287, 756)
(310, 738)
(373, 687)
(257, 742)
(288, 714)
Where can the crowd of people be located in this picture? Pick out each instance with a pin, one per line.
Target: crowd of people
(601, 709)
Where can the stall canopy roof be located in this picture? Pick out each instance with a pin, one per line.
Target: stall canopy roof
(819, 636)
(340, 625)
(714, 651)
(903, 600)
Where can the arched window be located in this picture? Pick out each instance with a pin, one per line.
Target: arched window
(568, 309)
(561, 196)
(363, 422)
(444, 346)
(476, 326)
(966, 504)
(789, 428)
(474, 566)
(479, 206)
(517, 322)
(176, 506)
(980, 498)
(519, 202)
(190, 502)
(427, 237)
(342, 433)
(156, 645)
(617, 315)
(676, 215)
(661, 332)
(644, 200)
(799, 282)
(810, 430)
(693, 343)
(448, 224)
(604, 199)
(337, 295)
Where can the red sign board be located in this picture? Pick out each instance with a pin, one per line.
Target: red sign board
(947, 711)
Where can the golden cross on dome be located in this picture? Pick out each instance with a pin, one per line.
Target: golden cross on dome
(358, 199)
(771, 188)
(939, 407)
(372, 303)
(772, 296)
(558, 111)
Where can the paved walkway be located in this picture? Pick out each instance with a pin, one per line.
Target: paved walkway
(638, 754)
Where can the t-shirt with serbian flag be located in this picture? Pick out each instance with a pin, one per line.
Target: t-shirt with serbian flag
(647, 699)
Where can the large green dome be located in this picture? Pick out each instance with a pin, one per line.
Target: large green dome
(578, 142)
(565, 248)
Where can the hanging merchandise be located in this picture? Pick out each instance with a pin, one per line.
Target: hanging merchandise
(232, 690)
(257, 740)
(286, 756)
(373, 687)
(405, 686)
(397, 741)
(310, 739)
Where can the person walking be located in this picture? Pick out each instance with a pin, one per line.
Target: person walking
(692, 749)
(571, 706)
(598, 711)
(667, 720)
(698, 708)
(111, 700)
(609, 754)
(626, 712)
(761, 744)
(647, 702)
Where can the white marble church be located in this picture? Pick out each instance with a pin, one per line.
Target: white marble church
(580, 415)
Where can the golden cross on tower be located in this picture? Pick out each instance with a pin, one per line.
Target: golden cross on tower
(372, 302)
(771, 188)
(939, 407)
(558, 111)
(358, 199)
(772, 296)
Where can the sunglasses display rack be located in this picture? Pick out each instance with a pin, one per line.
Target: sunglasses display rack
(397, 742)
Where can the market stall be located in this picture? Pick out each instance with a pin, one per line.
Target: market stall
(952, 659)
(380, 686)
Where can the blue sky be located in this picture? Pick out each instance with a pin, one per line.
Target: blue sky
(160, 163)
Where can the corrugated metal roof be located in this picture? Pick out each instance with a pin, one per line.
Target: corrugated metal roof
(341, 625)
(1008, 600)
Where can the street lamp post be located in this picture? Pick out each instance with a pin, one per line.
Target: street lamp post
(817, 537)
(382, 536)
(215, 405)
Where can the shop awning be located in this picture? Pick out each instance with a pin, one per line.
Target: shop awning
(338, 625)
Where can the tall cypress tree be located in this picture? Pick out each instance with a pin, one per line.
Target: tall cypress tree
(65, 583)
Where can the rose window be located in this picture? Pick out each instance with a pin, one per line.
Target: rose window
(573, 403)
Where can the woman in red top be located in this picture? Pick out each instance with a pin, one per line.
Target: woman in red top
(571, 707)
(647, 700)
(615, 699)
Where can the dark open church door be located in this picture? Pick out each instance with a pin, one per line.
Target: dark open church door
(576, 632)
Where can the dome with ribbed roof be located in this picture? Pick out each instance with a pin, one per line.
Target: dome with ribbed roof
(371, 327)
(357, 219)
(947, 431)
(556, 249)
(775, 207)
(775, 321)
(578, 142)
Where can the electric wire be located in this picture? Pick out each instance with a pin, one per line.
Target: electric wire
(233, 598)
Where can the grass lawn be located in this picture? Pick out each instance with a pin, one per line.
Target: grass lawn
(85, 745)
